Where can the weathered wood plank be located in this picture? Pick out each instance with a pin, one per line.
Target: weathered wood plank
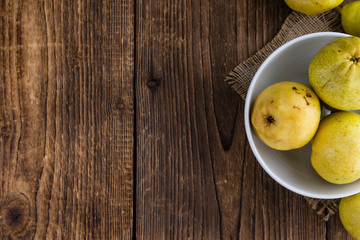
(176, 197)
(335, 229)
(196, 175)
(66, 107)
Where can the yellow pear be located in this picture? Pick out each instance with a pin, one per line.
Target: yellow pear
(335, 152)
(286, 115)
(349, 211)
(311, 7)
(350, 18)
(334, 73)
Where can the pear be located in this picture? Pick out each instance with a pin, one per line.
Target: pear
(334, 73)
(335, 154)
(349, 211)
(350, 18)
(311, 7)
(286, 115)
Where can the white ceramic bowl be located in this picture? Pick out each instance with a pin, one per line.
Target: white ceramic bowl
(292, 169)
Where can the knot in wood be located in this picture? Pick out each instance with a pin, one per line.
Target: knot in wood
(124, 104)
(74, 57)
(5, 130)
(153, 83)
(15, 215)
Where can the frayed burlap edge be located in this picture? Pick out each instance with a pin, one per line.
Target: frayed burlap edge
(324, 208)
(295, 25)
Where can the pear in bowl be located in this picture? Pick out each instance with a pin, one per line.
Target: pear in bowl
(334, 73)
(336, 148)
(286, 115)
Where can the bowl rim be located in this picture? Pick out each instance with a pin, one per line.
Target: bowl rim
(248, 128)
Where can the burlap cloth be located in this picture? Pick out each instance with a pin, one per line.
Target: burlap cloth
(295, 25)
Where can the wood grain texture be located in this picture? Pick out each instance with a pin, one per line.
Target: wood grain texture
(66, 117)
(335, 229)
(196, 175)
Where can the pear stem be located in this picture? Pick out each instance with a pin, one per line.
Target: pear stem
(338, 10)
(270, 120)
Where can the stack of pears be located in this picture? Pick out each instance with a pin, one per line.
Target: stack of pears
(287, 115)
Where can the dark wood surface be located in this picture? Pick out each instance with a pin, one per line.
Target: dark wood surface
(116, 124)
(67, 114)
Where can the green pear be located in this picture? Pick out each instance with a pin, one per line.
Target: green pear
(350, 18)
(335, 152)
(311, 7)
(334, 73)
(349, 211)
(286, 115)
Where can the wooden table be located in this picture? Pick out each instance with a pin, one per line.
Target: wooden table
(116, 123)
